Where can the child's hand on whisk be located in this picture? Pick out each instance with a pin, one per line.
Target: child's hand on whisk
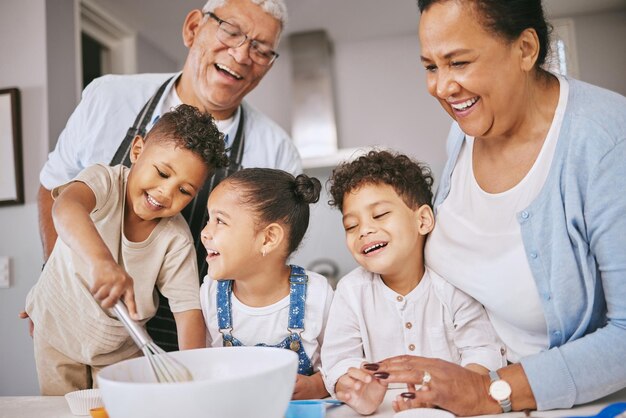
(110, 283)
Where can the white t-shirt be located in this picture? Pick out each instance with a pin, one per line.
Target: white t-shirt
(109, 106)
(477, 245)
(268, 324)
(370, 322)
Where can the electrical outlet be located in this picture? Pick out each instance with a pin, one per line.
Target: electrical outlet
(5, 272)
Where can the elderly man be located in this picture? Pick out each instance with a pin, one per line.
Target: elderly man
(231, 47)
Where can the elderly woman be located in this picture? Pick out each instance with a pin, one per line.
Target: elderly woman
(531, 214)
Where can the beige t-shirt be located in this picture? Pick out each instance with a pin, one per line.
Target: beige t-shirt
(63, 310)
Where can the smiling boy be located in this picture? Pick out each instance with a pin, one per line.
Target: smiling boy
(122, 235)
(393, 304)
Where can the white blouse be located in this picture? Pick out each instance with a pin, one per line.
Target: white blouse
(477, 245)
(370, 322)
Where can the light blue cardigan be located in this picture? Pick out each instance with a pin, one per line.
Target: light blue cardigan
(574, 235)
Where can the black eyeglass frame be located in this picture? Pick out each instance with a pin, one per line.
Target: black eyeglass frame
(253, 42)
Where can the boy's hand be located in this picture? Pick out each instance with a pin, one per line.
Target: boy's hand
(31, 325)
(362, 391)
(110, 283)
(309, 387)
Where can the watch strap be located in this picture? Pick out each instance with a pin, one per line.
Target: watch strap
(505, 404)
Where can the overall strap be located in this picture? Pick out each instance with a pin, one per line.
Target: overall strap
(224, 316)
(297, 297)
(196, 211)
(297, 300)
(122, 155)
(224, 312)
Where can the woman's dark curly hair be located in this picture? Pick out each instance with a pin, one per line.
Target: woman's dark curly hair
(277, 196)
(189, 128)
(412, 180)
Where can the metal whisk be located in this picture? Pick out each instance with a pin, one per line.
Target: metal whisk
(166, 368)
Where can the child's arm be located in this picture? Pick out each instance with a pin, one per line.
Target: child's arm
(70, 213)
(309, 387)
(191, 329)
(474, 336)
(361, 390)
(343, 345)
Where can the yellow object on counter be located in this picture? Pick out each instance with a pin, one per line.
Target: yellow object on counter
(98, 413)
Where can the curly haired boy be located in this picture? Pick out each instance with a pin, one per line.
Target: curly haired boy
(122, 236)
(393, 304)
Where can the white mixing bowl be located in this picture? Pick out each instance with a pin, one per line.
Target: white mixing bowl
(229, 382)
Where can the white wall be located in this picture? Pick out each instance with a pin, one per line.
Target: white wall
(23, 65)
(62, 66)
(601, 52)
(150, 59)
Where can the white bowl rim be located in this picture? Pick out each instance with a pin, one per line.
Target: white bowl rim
(192, 382)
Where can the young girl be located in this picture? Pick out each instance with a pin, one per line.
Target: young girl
(257, 218)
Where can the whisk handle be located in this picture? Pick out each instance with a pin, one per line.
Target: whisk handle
(136, 331)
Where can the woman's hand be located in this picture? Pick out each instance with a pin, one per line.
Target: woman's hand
(451, 386)
(361, 388)
(309, 387)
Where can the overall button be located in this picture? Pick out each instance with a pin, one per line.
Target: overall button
(412, 347)
(408, 325)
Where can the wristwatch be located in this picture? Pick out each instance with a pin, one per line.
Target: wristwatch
(500, 391)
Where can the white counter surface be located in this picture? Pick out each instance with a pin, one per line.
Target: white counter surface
(56, 407)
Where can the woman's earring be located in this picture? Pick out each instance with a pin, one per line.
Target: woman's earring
(263, 252)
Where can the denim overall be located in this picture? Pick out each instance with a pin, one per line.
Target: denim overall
(297, 297)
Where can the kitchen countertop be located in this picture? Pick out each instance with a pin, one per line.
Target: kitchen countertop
(56, 407)
(385, 411)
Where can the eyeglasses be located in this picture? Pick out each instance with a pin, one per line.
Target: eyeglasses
(232, 36)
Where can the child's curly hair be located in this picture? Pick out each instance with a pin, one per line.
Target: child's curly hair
(189, 128)
(412, 180)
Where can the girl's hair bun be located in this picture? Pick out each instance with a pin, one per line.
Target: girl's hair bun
(307, 188)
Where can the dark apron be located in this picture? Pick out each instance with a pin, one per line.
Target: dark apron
(162, 327)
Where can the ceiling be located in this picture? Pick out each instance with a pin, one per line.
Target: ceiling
(160, 21)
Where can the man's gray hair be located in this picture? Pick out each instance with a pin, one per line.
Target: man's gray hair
(275, 8)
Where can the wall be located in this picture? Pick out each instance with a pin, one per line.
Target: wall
(150, 59)
(23, 67)
(62, 65)
(601, 52)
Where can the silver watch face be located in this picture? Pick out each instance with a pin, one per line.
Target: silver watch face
(500, 390)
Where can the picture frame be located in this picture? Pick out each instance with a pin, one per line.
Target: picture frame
(11, 167)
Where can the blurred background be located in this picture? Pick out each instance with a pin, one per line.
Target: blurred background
(366, 55)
